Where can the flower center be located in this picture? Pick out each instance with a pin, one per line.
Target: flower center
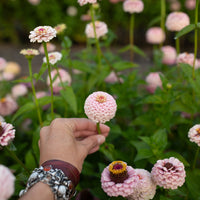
(1, 130)
(169, 166)
(198, 131)
(3, 100)
(101, 99)
(52, 57)
(118, 172)
(41, 31)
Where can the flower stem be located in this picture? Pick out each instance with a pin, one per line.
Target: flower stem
(34, 93)
(131, 36)
(195, 157)
(14, 156)
(195, 38)
(96, 39)
(163, 15)
(177, 46)
(51, 82)
(98, 128)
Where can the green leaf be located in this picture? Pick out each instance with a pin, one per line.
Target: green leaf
(44, 100)
(138, 51)
(124, 49)
(29, 160)
(185, 30)
(41, 72)
(159, 139)
(154, 21)
(108, 150)
(122, 65)
(82, 66)
(66, 43)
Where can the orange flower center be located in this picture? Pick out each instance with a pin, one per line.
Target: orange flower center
(101, 99)
(1, 130)
(41, 31)
(3, 100)
(198, 130)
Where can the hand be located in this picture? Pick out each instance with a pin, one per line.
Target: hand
(70, 140)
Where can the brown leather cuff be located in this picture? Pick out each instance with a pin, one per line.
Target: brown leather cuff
(69, 170)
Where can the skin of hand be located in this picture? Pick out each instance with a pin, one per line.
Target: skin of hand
(70, 140)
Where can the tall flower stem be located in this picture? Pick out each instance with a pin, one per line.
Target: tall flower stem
(98, 128)
(195, 158)
(195, 38)
(96, 39)
(177, 46)
(131, 36)
(51, 82)
(34, 93)
(163, 15)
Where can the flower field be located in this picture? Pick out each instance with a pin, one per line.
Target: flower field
(152, 151)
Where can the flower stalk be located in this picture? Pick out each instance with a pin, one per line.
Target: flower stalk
(98, 128)
(131, 36)
(177, 46)
(195, 158)
(163, 15)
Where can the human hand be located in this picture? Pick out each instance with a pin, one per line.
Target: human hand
(70, 140)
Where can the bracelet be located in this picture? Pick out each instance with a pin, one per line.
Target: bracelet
(55, 174)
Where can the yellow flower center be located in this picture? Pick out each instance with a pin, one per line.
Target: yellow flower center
(52, 57)
(101, 99)
(198, 130)
(41, 31)
(3, 100)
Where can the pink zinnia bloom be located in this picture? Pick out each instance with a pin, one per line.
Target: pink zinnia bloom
(187, 58)
(100, 107)
(7, 183)
(3, 63)
(42, 34)
(29, 53)
(153, 81)
(54, 57)
(41, 94)
(169, 173)
(155, 35)
(112, 78)
(194, 134)
(19, 90)
(50, 47)
(169, 55)
(7, 106)
(190, 4)
(60, 28)
(83, 2)
(175, 5)
(7, 76)
(7, 133)
(85, 17)
(63, 76)
(101, 29)
(133, 6)
(177, 20)
(118, 179)
(145, 188)
(34, 2)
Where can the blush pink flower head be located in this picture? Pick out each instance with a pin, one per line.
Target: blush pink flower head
(42, 34)
(155, 35)
(190, 4)
(153, 81)
(133, 6)
(169, 173)
(177, 20)
(34, 2)
(169, 55)
(112, 78)
(7, 106)
(19, 90)
(145, 188)
(175, 5)
(3, 64)
(7, 76)
(100, 107)
(60, 28)
(7, 133)
(83, 2)
(101, 29)
(194, 134)
(54, 57)
(7, 183)
(50, 47)
(118, 179)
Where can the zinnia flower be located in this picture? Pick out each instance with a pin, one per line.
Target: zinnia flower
(7, 183)
(12, 68)
(169, 173)
(7, 133)
(29, 53)
(60, 28)
(190, 4)
(169, 55)
(194, 134)
(7, 76)
(145, 188)
(19, 90)
(34, 2)
(72, 11)
(2, 119)
(177, 20)
(101, 29)
(153, 81)
(63, 76)
(133, 6)
(54, 57)
(175, 5)
(83, 2)
(112, 78)
(3, 63)
(7, 106)
(118, 179)
(100, 107)
(50, 47)
(42, 34)
(155, 35)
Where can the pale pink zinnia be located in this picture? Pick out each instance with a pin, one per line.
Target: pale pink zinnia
(145, 188)
(19, 90)
(34, 2)
(42, 34)
(54, 57)
(169, 173)
(190, 4)
(169, 55)
(177, 20)
(62, 77)
(101, 29)
(175, 5)
(83, 2)
(72, 11)
(29, 53)
(112, 78)
(194, 134)
(133, 6)
(50, 47)
(7, 183)
(100, 107)
(60, 28)
(118, 179)
(155, 35)
(7, 133)
(3, 63)
(153, 81)
(7, 106)
(7, 76)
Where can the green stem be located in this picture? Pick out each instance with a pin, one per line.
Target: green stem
(96, 39)
(177, 46)
(34, 93)
(163, 15)
(195, 38)
(131, 36)
(51, 82)
(14, 156)
(195, 158)
(98, 128)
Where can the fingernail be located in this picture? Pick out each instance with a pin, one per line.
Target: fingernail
(101, 139)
